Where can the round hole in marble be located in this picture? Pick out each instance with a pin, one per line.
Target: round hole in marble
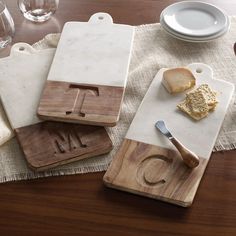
(21, 48)
(199, 70)
(100, 17)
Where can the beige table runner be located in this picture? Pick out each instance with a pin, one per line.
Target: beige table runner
(152, 50)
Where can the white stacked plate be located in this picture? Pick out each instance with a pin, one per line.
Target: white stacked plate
(194, 21)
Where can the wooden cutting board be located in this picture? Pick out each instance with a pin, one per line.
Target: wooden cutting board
(147, 163)
(88, 75)
(45, 144)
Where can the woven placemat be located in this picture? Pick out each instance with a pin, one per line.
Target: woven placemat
(153, 49)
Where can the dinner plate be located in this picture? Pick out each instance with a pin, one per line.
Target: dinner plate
(195, 19)
(194, 39)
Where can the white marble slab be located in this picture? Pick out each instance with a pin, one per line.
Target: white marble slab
(94, 52)
(22, 78)
(158, 104)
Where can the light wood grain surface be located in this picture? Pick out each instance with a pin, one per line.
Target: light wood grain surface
(80, 204)
(154, 172)
(81, 103)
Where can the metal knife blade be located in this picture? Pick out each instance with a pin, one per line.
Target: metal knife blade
(189, 158)
(160, 125)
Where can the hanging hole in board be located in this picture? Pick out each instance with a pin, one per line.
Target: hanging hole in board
(199, 70)
(100, 17)
(21, 48)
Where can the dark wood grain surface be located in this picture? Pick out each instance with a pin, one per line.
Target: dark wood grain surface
(49, 144)
(80, 204)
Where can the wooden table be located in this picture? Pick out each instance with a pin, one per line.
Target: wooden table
(80, 204)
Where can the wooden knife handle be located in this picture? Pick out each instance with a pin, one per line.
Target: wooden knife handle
(189, 158)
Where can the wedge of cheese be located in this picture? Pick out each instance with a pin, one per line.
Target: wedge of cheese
(199, 102)
(178, 80)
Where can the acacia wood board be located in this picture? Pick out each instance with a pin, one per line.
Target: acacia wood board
(44, 144)
(50, 144)
(147, 163)
(88, 75)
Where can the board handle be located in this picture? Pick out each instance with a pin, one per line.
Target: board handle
(189, 158)
(20, 48)
(201, 68)
(101, 17)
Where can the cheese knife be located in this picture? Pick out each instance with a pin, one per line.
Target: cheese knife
(189, 158)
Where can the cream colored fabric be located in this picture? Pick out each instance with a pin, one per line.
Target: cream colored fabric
(152, 50)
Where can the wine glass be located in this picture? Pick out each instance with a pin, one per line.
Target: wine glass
(38, 10)
(7, 28)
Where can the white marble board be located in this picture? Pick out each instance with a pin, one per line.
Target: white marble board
(94, 52)
(22, 78)
(158, 104)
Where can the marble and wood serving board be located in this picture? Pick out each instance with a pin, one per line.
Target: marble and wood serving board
(44, 144)
(147, 163)
(88, 75)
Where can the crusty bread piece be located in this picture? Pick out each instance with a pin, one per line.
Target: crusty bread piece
(178, 80)
(199, 102)
(208, 94)
(212, 107)
(184, 106)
